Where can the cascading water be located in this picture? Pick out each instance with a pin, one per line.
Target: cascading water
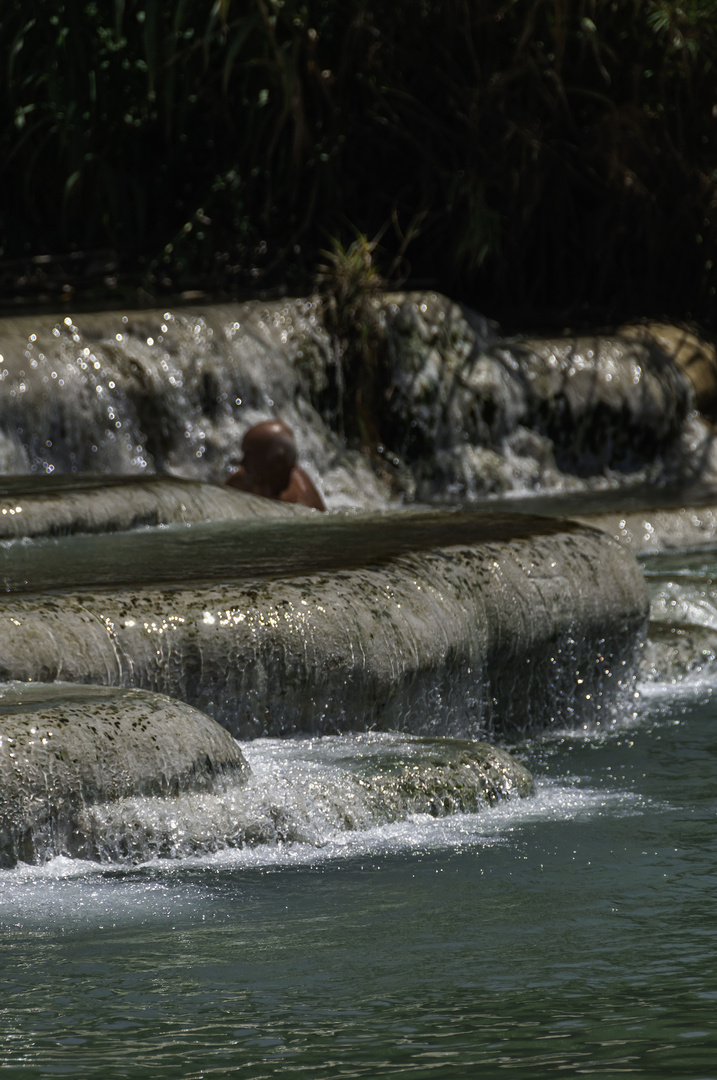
(309, 793)
(461, 412)
(160, 392)
(365, 902)
(533, 623)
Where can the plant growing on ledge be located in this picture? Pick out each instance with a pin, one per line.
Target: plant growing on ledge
(348, 282)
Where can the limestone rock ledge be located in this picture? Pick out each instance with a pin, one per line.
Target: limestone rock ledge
(64, 747)
(314, 790)
(516, 626)
(65, 505)
(447, 410)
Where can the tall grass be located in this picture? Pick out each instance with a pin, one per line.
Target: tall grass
(538, 158)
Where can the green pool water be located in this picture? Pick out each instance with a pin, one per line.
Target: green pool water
(571, 934)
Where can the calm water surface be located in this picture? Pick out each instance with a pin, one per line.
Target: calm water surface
(571, 934)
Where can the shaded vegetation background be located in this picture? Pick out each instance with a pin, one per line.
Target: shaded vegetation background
(538, 159)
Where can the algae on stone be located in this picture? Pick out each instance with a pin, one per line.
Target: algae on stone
(65, 747)
(504, 636)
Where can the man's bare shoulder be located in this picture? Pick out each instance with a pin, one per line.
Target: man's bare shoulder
(301, 490)
(238, 480)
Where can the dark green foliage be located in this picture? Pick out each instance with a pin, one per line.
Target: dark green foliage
(532, 157)
(348, 283)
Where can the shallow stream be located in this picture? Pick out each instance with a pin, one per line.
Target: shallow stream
(570, 933)
(328, 917)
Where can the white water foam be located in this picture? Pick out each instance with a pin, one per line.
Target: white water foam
(66, 894)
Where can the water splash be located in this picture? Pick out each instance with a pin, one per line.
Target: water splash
(506, 636)
(461, 412)
(681, 648)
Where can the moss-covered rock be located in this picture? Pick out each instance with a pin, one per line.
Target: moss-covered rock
(519, 624)
(63, 748)
(448, 776)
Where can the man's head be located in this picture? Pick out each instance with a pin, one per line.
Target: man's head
(270, 454)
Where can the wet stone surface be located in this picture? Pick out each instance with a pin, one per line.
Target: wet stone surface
(64, 747)
(464, 640)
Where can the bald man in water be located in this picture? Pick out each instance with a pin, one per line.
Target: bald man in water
(269, 467)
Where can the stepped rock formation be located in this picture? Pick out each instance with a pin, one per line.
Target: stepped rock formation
(440, 408)
(59, 504)
(64, 748)
(321, 787)
(524, 623)
(273, 622)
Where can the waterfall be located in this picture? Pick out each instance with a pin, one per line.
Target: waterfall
(531, 623)
(447, 409)
(136, 582)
